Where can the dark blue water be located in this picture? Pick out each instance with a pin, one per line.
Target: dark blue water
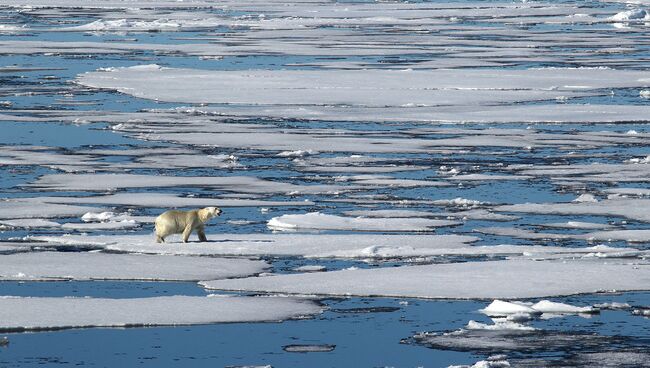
(368, 338)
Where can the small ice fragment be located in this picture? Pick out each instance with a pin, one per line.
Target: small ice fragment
(264, 210)
(499, 325)
(645, 93)
(310, 268)
(586, 197)
(645, 312)
(630, 15)
(503, 308)
(633, 132)
(612, 306)
(547, 306)
(4, 341)
(297, 153)
(308, 348)
(102, 216)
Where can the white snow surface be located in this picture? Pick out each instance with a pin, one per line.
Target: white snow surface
(547, 306)
(321, 221)
(504, 308)
(25, 314)
(358, 87)
(501, 307)
(107, 182)
(23, 208)
(300, 245)
(470, 280)
(102, 266)
(29, 223)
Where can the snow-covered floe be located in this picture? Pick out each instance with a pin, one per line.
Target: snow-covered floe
(28, 223)
(317, 87)
(300, 245)
(26, 314)
(492, 341)
(321, 221)
(498, 279)
(634, 209)
(578, 225)
(500, 308)
(102, 266)
(152, 199)
(499, 325)
(107, 182)
(12, 209)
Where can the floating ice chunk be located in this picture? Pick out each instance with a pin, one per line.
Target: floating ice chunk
(28, 223)
(547, 306)
(97, 226)
(503, 308)
(102, 216)
(644, 160)
(499, 326)
(25, 314)
(460, 202)
(482, 177)
(645, 93)
(632, 236)
(578, 225)
(310, 268)
(645, 312)
(309, 348)
(631, 15)
(298, 153)
(491, 341)
(586, 197)
(101, 266)
(495, 279)
(613, 306)
(629, 208)
(320, 221)
(496, 361)
(130, 25)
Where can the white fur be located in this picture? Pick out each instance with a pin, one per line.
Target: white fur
(177, 222)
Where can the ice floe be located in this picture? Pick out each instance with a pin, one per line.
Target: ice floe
(497, 279)
(12, 209)
(292, 87)
(634, 209)
(102, 266)
(632, 15)
(151, 199)
(28, 314)
(28, 223)
(300, 245)
(321, 221)
(108, 182)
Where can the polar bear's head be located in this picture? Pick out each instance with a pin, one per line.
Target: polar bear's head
(213, 211)
(207, 213)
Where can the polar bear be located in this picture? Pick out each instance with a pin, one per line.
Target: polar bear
(176, 222)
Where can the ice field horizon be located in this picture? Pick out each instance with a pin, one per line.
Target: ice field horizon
(448, 183)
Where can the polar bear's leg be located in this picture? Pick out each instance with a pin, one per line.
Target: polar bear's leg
(187, 232)
(159, 239)
(201, 232)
